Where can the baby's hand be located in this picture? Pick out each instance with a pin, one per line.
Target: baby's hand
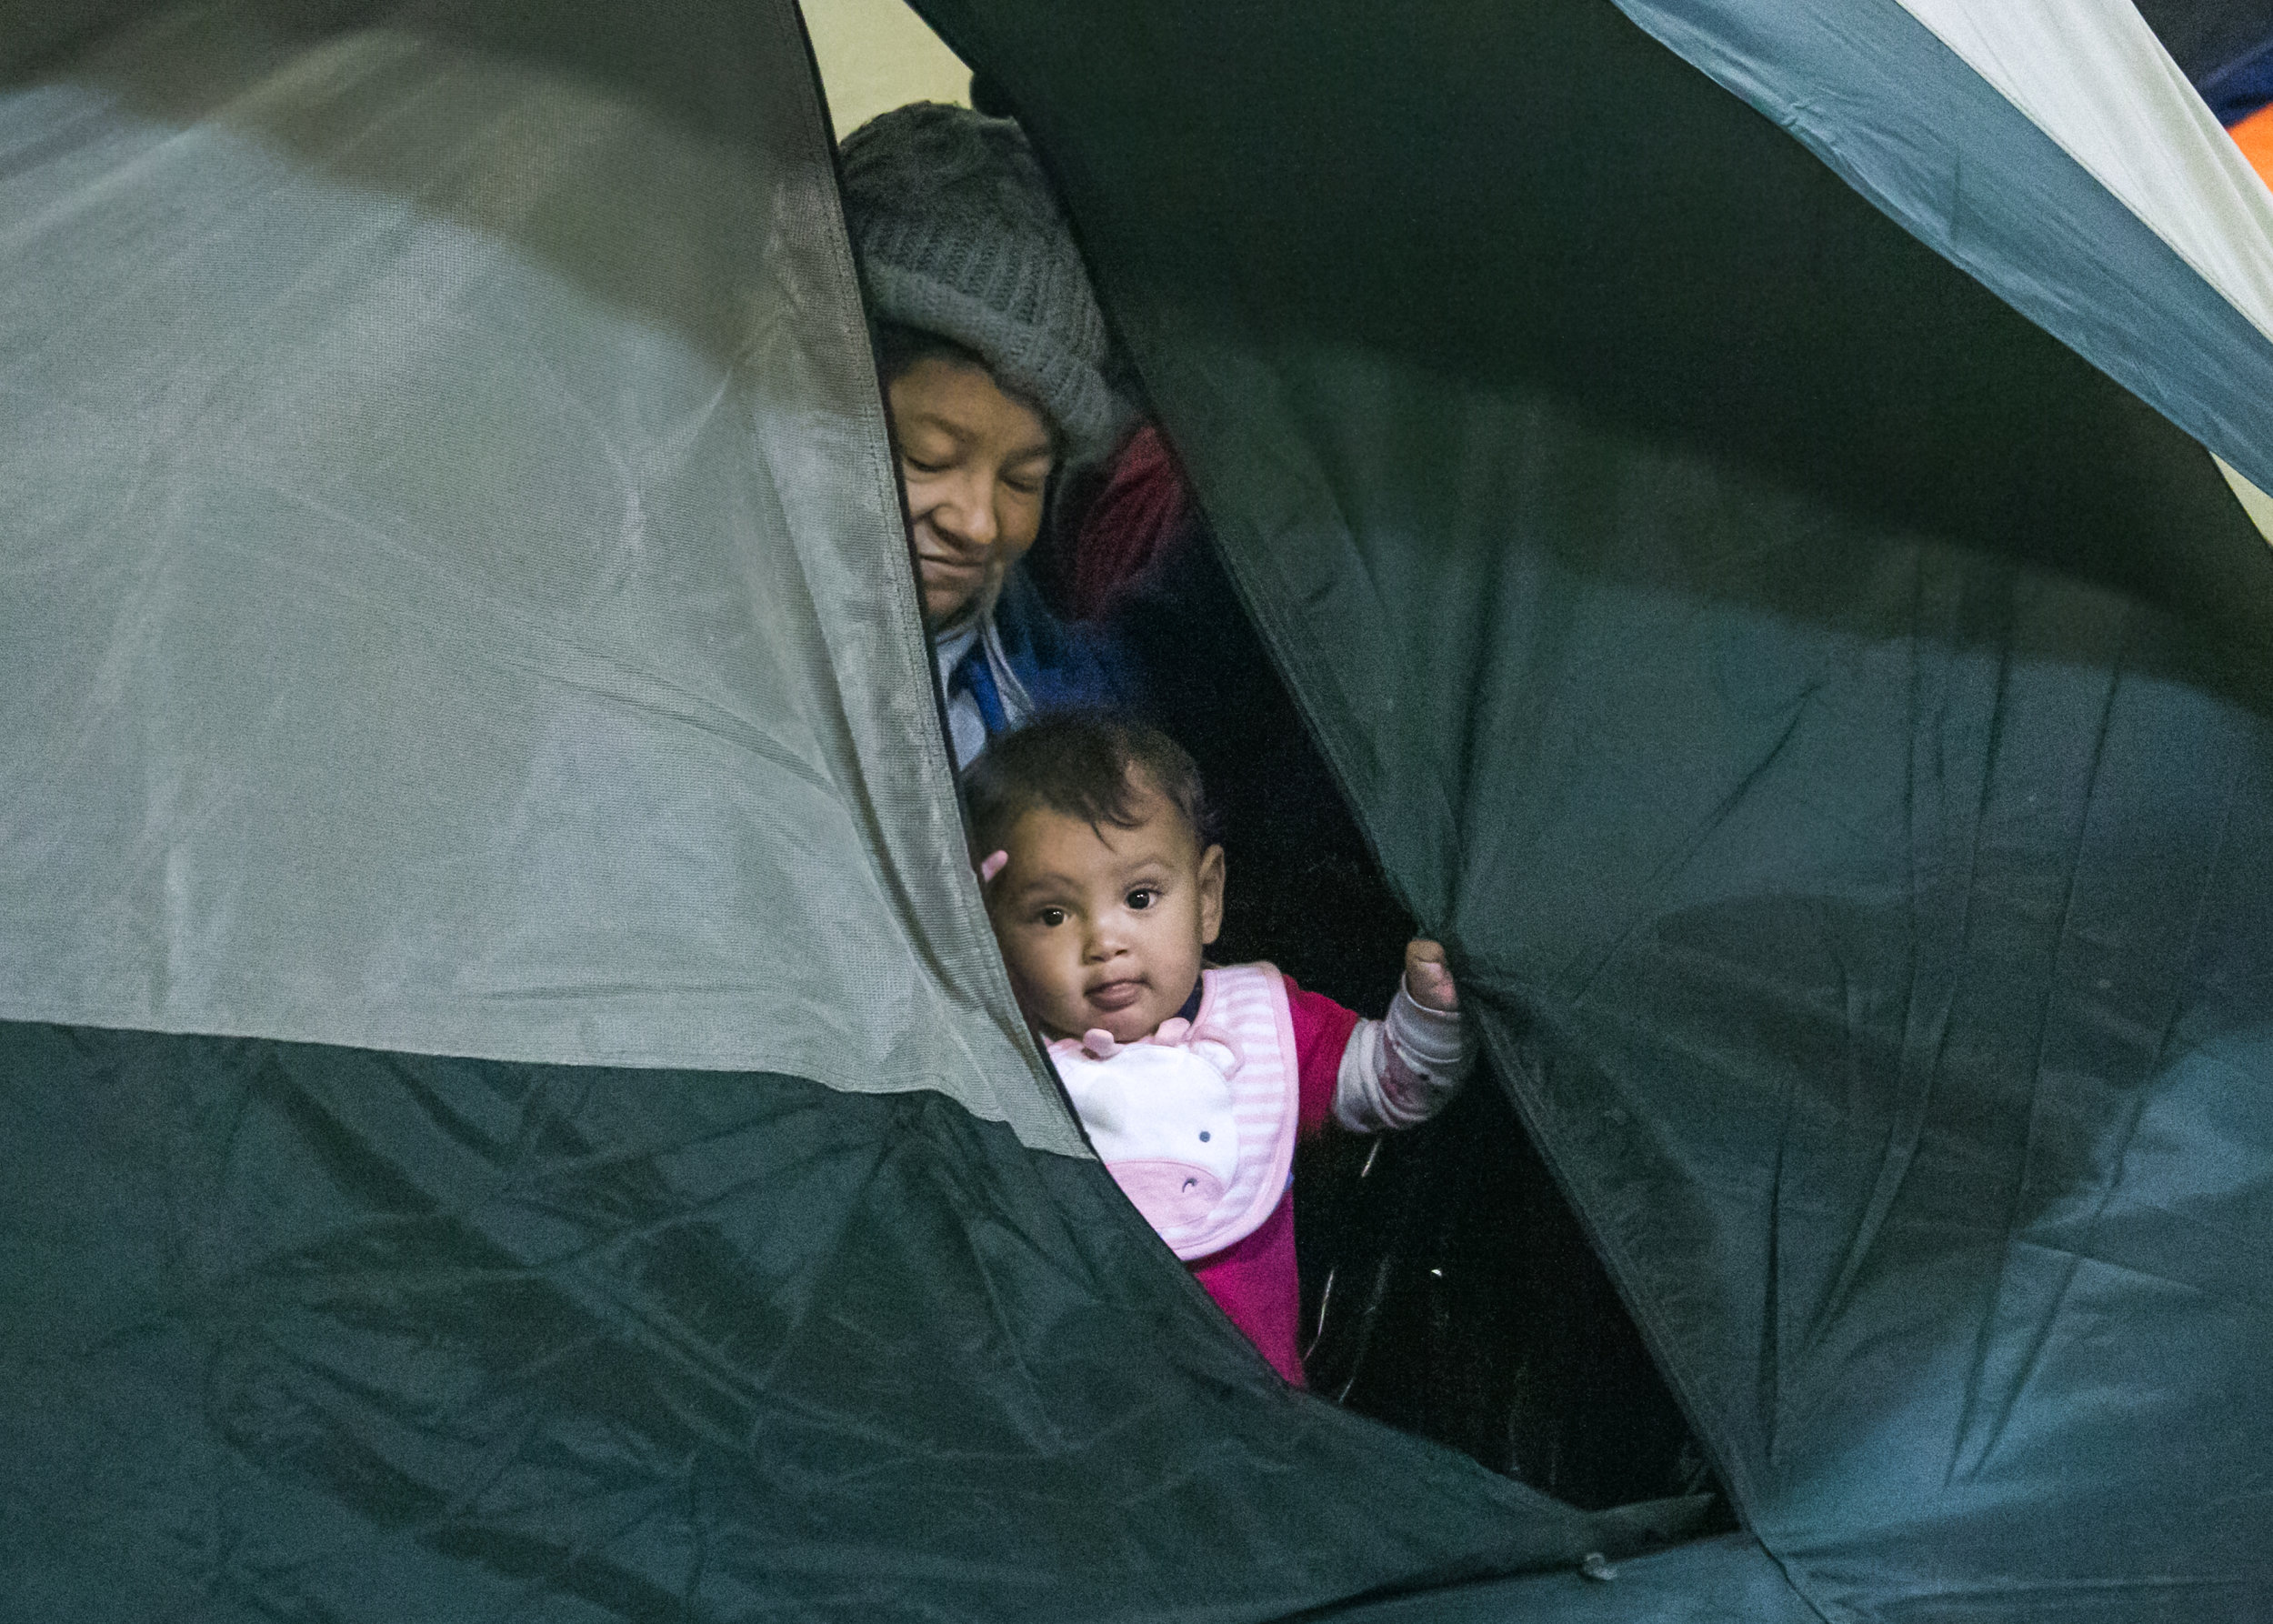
(1429, 977)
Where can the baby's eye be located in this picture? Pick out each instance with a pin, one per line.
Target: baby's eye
(1142, 896)
(1051, 916)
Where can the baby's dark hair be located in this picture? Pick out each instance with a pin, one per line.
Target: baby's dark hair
(1083, 763)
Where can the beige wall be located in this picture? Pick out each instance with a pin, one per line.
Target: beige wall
(877, 53)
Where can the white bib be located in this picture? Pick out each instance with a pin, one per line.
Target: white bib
(1195, 1123)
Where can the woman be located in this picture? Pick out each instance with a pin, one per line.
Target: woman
(991, 351)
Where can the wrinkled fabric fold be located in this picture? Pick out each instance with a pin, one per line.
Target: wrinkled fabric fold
(1822, 713)
(458, 600)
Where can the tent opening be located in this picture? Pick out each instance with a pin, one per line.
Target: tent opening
(1448, 1290)
(1447, 1287)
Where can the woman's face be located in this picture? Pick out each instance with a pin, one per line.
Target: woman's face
(974, 462)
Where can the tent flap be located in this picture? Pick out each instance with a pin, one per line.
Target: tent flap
(1852, 832)
(509, 1105)
(306, 1331)
(458, 600)
(2114, 213)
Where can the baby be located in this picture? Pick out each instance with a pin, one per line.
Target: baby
(1194, 1084)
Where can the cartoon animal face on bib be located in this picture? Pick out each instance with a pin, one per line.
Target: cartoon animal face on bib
(1162, 1119)
(1196, 1122)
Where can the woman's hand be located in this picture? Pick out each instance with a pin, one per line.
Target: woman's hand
(1427, 977)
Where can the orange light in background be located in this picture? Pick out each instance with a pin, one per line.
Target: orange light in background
(2255, 134)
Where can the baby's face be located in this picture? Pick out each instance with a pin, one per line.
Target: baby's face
(1104, 927)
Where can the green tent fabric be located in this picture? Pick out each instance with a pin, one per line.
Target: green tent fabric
(1826, 715)
(308, 1331)
(509, 1105)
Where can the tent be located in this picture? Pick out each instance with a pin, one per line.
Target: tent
(511, 1108)
(2225, 49)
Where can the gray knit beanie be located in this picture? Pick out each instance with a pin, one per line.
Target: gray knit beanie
(958, 234)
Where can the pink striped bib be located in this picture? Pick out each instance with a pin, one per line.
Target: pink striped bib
(1159, 1110)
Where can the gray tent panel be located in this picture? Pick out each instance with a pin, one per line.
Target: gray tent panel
(457, 593)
